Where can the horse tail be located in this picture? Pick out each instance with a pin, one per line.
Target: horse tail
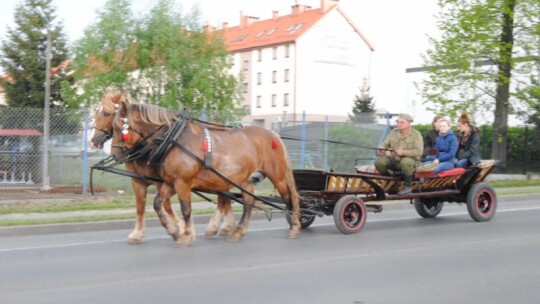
(289, 178)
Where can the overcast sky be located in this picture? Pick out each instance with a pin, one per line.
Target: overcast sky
(396, 28)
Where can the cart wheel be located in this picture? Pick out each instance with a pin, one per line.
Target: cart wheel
(305, 220)
(481, 202)
(349, 214)
(428, 209)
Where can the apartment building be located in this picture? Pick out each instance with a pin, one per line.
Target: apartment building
(311, 61)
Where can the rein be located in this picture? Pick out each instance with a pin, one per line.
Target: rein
(334, 142)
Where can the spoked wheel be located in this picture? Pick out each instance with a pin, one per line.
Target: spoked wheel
(305, 220)
(481, 202)
(349, 214)
(426, 208)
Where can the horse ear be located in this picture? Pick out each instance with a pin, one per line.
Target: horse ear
(122, 107)
(117, 98)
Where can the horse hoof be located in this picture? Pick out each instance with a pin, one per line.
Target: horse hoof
(135, 238)
(210, 232)
(184, 241)
(225, 232)
(133, 241)
(293, 234)
(234, 237)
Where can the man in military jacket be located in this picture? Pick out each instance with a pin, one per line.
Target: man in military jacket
(401, 151)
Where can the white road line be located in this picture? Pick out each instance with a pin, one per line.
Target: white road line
(250, 230)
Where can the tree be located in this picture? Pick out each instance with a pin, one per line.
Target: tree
(163, 58)
(363, 108)
(360, 144)
(486, 45)
(23, 55)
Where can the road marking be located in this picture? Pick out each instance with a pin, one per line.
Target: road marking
(250, 230)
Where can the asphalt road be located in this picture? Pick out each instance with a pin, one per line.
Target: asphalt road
(397, 258)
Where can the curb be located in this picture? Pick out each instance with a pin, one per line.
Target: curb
(106, 225)
(154, 222)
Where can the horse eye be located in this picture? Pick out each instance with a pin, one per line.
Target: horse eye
(106, 114)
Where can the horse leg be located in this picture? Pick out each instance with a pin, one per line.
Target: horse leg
(243, 224)
(184, 196)
(140, 190)
(215, 220)
(175, 225)
(291, 200)
(228, 224)
(164, 194)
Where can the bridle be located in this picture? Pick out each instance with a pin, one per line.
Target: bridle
(109, 133)
(125, 135)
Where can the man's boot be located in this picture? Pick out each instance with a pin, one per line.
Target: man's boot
(407, 181)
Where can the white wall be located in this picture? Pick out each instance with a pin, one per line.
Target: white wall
(332, 60)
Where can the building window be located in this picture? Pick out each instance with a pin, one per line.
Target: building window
(274, 52)
(246, 65)
(285, 99)
(287, 50)
(259, 78)
(274, 76)
(258, 101)
(286, 75)
(259, 55)
(274, 100)
(245, 87)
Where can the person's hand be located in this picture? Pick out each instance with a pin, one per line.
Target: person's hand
(399, 152)
(388, 153)
(436, 161)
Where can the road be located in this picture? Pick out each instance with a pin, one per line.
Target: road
(397, 258)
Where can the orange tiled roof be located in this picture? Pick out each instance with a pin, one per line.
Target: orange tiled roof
(277, 30)
(54, 70)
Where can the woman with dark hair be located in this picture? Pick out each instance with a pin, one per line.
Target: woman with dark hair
(469, 143)
(430, 151)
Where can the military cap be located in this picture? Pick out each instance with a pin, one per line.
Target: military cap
(406, 117)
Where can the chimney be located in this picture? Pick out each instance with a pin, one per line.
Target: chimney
(326, 4)
(245, 21)
(225, 25)
(208, 28)
(298, 9)
(275, 15)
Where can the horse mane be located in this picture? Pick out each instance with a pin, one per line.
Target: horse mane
(153, 114)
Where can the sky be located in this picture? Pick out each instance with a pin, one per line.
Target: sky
(398, 30)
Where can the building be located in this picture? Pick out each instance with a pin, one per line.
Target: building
(310, 61)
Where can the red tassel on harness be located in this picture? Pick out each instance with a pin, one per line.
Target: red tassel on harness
(204, 146)
(275, 144)
(126, 136)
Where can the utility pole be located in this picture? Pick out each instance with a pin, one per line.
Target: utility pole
(46, 106)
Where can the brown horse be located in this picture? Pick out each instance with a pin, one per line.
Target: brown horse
(103, 131)
(239, 154)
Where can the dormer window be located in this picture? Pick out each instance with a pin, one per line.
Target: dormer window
(295, 27)
(240, 38)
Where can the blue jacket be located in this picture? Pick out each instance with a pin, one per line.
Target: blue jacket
(447, 146)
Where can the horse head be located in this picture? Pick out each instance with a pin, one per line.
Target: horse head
(134, 123)
(104, 118)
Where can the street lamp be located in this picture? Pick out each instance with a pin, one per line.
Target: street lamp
(45, 153)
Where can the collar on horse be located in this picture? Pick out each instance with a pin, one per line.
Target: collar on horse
(170, 137)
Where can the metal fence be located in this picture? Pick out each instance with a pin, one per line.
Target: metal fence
(321, 145)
